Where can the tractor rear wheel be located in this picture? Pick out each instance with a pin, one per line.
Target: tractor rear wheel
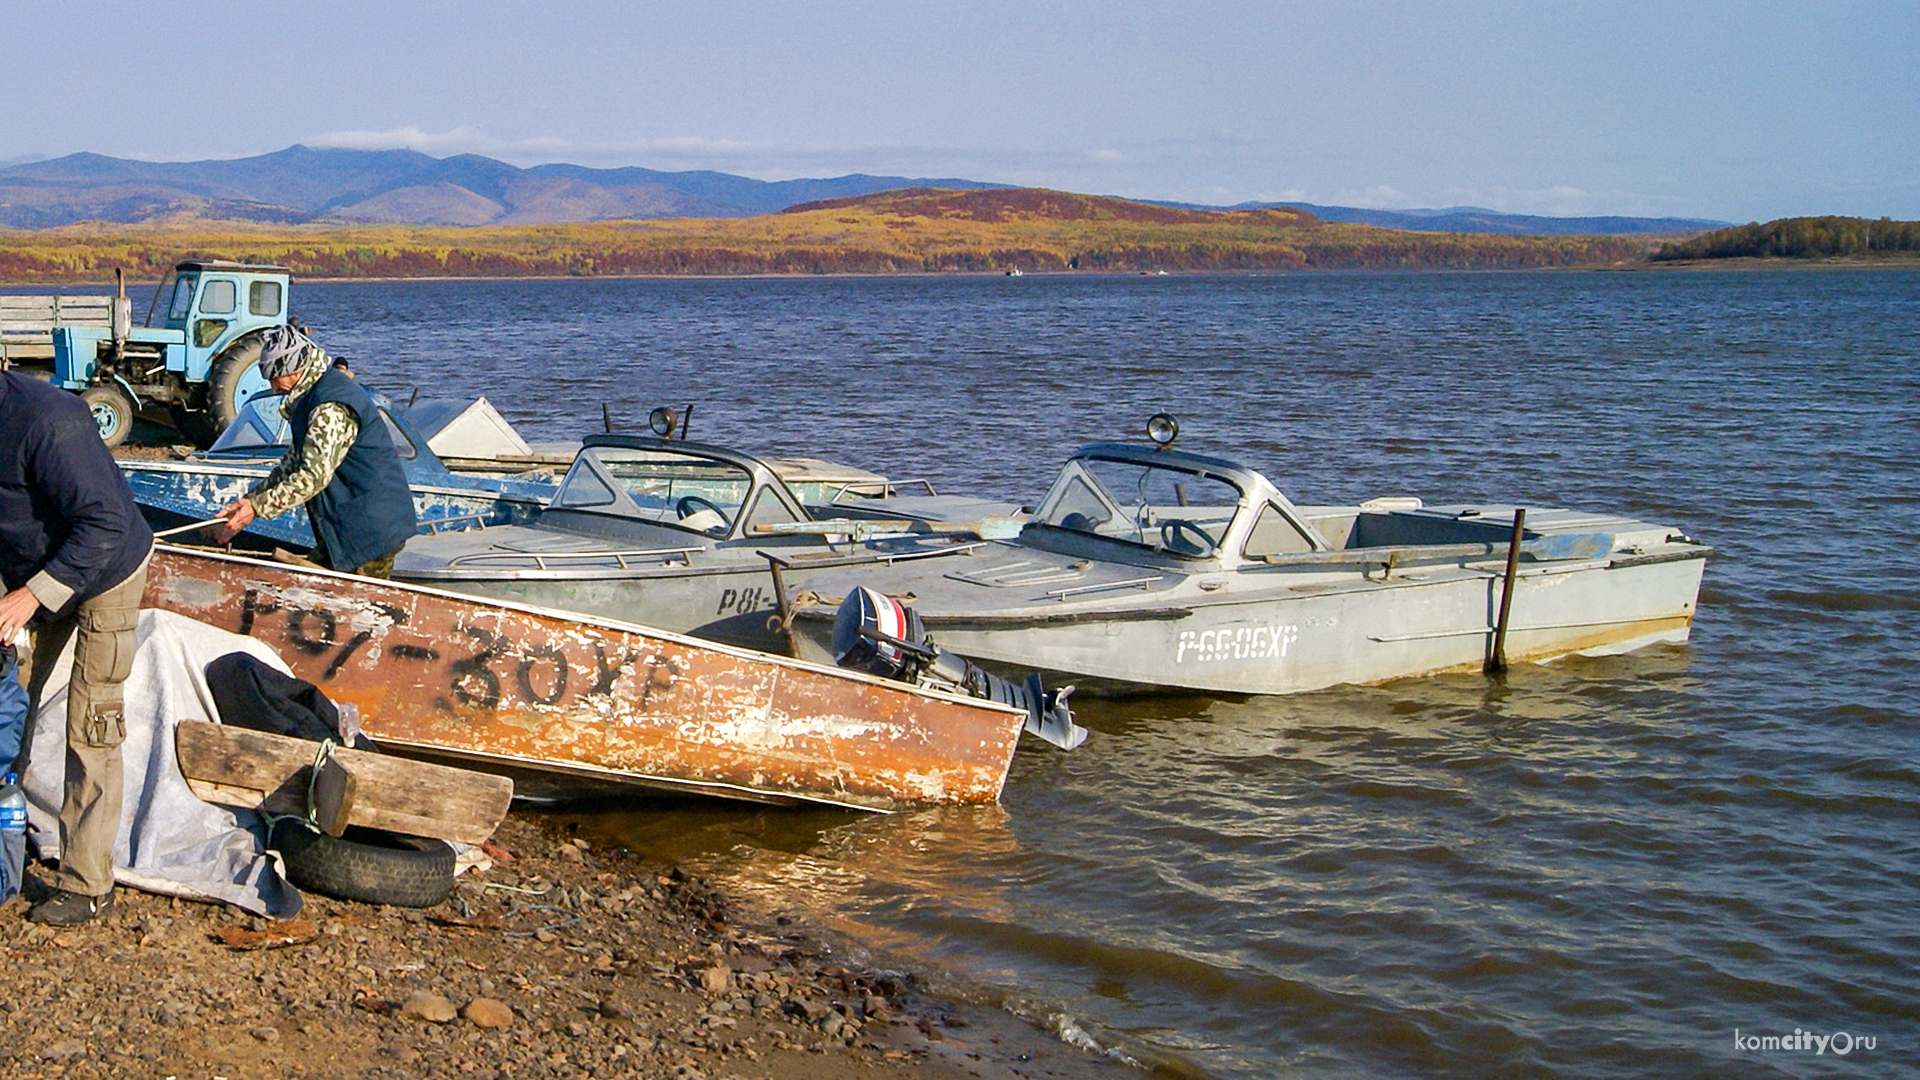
(232, 378)
(112, 412)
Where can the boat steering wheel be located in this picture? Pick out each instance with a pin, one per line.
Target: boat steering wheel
(691, 507)
(1183, 537)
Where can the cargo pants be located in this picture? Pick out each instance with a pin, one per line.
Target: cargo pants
(96, 725)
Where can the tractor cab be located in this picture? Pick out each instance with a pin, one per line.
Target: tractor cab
(193, 367)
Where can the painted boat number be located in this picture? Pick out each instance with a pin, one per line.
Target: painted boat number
(540, 672)
(1242, 643)
(743, 601)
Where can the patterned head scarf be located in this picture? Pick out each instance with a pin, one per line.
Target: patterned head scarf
(283, 350)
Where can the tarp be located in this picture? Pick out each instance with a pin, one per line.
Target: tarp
(170, 842)
(13, 707)
(466, 428)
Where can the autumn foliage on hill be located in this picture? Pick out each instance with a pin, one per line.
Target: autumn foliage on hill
(911, 231)
(1800, 238)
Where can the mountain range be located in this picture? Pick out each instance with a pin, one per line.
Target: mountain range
(301, 185)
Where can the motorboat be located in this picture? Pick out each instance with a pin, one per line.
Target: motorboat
(593, 704)
(1148, 568)
(687, 536)
(176, 493)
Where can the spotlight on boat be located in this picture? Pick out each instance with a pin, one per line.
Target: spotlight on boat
(665, 422)
(875, 633)
(1162, 428)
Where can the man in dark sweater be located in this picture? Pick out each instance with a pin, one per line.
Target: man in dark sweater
(73, 556)
(343, 465)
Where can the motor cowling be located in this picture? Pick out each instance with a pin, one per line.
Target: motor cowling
(877, 634)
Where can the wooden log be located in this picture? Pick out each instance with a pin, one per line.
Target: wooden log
(236, 766)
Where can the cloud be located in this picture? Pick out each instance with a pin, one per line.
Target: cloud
(458, 141)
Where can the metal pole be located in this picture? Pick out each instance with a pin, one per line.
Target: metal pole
(783, 611)
(1498, 661)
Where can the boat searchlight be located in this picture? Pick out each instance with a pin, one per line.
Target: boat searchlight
(1162, 428)
(665, 421)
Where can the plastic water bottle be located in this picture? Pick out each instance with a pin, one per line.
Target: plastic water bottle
(13, 836)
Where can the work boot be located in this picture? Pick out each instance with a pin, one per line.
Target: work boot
(65, 908)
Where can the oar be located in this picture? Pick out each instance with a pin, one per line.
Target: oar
(178, 529)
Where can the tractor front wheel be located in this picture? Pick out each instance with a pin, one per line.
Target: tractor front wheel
(112, 412)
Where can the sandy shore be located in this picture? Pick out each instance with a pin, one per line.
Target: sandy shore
(567, 961)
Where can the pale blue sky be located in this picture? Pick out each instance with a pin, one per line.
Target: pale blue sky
(1736, 111)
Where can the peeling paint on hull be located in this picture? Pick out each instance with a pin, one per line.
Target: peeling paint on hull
(495, 682)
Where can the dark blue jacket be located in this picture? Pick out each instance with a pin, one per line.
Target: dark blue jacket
(366, 510)
(65, 507)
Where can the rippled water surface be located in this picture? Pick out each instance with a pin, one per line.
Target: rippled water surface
(1599, 868)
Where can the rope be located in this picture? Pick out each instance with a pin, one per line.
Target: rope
(802, 598)
(515, 909)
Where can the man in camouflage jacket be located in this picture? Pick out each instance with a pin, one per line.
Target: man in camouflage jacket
(342, 467)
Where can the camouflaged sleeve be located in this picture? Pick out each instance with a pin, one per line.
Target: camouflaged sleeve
(331, 430)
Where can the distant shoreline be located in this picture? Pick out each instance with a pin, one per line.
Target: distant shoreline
(1897, 261)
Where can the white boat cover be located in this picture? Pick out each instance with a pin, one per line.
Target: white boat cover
(170, 842)
(466, 428)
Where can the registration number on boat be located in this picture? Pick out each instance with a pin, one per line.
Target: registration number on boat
(1234, 643)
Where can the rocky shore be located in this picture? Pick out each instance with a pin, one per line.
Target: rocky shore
(559, 960)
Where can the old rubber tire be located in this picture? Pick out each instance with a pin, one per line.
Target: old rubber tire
(112, 412)
(368, 865)
(232, 378)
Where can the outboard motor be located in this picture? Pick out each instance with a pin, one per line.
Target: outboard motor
(876, 634)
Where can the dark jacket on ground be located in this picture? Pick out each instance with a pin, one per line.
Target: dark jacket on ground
(366, 510)
(65, 508)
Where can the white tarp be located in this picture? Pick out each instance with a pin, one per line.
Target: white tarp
(170, 842)
(466, 428)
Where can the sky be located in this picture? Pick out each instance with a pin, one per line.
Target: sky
(1732, 111)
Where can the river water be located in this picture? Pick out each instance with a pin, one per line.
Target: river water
(1619, 867)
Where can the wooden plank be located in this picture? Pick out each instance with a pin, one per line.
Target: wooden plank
(236, 766)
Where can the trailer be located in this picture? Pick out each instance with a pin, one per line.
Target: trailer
(192, 367)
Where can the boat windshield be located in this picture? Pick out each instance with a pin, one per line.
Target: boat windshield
(666, 486)
(260, 429)
(258, 425)
(1156, 506)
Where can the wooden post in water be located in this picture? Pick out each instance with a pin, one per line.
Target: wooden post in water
(1497, 662)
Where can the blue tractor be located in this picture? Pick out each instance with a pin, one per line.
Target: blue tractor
(193, 369)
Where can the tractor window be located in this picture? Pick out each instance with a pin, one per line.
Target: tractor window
(263, 298)
(218, 297)
(208, 331)
(182, 301)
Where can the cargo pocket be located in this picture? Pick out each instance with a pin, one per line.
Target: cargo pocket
(106, 645)
(105, 658)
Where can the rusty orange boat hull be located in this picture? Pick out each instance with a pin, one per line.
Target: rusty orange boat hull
(521, 688)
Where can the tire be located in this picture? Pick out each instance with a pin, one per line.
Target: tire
(368, 865)
(232, 378)
(112, 412)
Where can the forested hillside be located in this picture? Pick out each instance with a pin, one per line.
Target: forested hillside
(915, 231)
(1799, 238)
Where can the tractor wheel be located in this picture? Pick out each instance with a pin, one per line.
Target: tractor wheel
(112, 412)
(232, 378)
